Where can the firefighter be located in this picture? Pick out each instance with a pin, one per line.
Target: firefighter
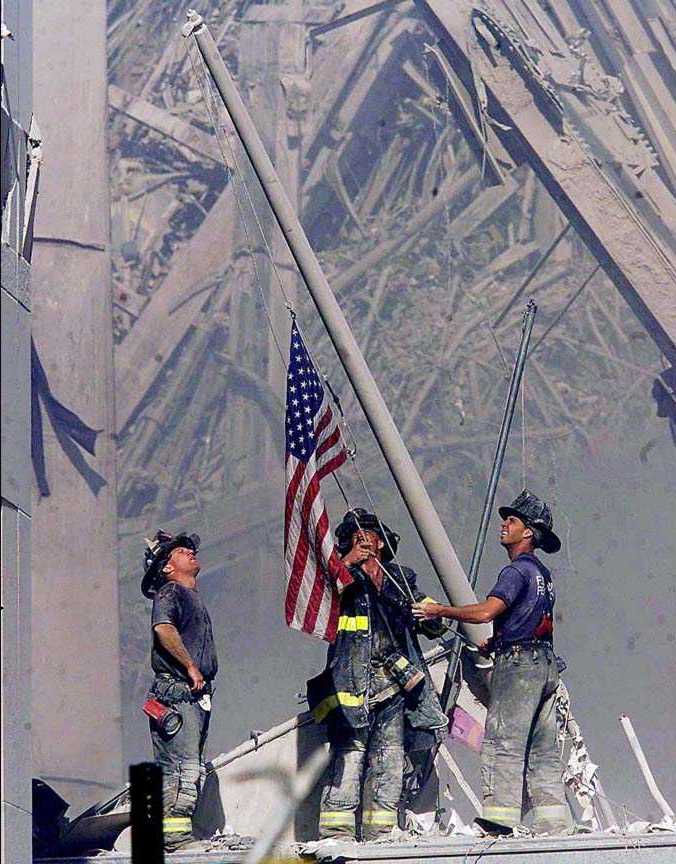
(520, 765)
(185, 664)
(375, 692)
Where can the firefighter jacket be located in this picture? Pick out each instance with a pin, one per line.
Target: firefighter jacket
(339, 696)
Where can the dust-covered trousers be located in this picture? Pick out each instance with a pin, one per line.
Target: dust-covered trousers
(520, 765)
(372, 758)
(181, 758)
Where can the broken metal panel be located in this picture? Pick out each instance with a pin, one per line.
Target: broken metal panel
(172, 309)
(186, 134)
(625, 246)
(16, 49)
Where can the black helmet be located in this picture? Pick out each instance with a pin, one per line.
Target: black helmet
(534, 513)
(358, 518)
(155, 556)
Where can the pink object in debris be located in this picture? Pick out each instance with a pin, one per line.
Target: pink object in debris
(466, 729)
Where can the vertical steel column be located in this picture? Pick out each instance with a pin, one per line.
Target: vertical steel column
(410, 485)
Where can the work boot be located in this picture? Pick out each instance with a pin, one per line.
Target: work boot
(190, 844)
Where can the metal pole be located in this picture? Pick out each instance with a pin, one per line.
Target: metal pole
(508, 416)
(425, 518)
(448, 691)
(635, 745)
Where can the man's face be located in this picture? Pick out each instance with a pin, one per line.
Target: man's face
(368, 538)
(182, 561)
(512, 531)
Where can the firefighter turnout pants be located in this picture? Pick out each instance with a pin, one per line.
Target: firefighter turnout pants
(520, 765)
(371, 758)
(182, 761)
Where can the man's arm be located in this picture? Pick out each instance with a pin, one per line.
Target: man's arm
(474, 613)
(170, 640)
(433, 628)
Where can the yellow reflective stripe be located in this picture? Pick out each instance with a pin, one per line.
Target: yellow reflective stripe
(379, 817)
(509, 816)
(401, 663)
(556, 814)
(336, 817)
(352, 623)
(174, 824)
(549, 809)
(350, 700)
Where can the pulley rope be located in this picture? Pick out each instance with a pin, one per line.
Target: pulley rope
(224, 143)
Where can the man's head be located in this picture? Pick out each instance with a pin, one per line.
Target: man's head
(514, 532)
(527, 524)
(181, 562)
(358, 525)
(172, 558)
(371, 539)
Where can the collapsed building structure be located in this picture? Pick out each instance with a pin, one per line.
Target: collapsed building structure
(494, 170)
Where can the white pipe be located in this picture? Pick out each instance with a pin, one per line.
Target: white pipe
(635, 745)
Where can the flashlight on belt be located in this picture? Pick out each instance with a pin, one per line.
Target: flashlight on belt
(167, 719)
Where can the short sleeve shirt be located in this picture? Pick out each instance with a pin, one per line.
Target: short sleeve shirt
(185, 609)
(525, 586)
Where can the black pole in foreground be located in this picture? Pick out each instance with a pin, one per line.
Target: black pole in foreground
(147, 840)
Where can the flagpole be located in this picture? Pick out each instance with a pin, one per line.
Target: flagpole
(425, 518)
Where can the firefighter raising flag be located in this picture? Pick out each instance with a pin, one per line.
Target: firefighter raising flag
(314, 449)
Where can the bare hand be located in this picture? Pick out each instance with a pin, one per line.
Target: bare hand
(486, 646)
(426, 611)
(360, 552)
(196, 679)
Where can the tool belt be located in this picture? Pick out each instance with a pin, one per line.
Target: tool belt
(171, 690)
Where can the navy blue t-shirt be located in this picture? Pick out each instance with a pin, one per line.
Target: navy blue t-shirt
(525, 585)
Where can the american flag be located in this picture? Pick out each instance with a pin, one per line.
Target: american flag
(314, 449)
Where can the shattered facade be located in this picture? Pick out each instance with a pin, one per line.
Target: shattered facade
(20, 165)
